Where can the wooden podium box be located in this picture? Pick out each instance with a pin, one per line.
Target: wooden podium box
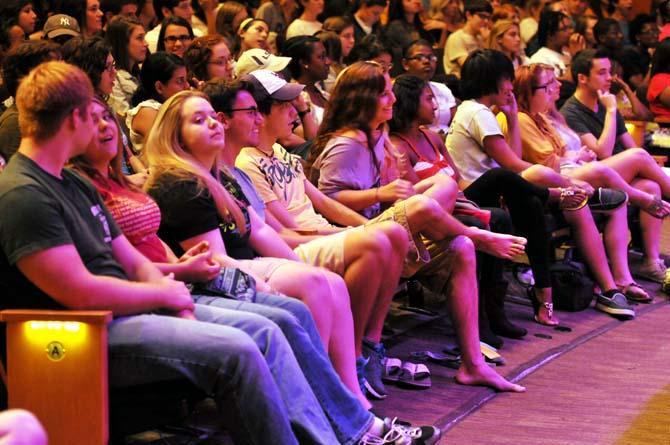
(57, 369)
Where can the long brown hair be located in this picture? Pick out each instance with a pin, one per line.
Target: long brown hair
(166, 154)
(352, 105)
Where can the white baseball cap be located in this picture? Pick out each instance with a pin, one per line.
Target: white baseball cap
(259, 59)
(268, 83)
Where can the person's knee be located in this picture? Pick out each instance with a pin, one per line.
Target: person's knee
(423, 208)
(601, 170)
(648, 186)
(397, 236)
(463, 250)
(23, 427)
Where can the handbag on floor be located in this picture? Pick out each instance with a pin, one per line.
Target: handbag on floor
(572, 288)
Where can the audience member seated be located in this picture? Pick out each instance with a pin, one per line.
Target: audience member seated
(146, 14)
(374, 49)
(420, 61)
(347, 163)
(658, 93)
(404, 25)
(307, 23)
(476, 143)
(17, 22)
(448, 12)
(584, 26)
(469, 38)
(416, 107)
(361, 256)
(553, 35)
(343, 27)
(60, 28)
(644, 38)
(277, 14)
(17, 63)
(166, 9)
(253, 34)
(309, 66)
(366, 16)
(184, 183)
(77, 258)
(206, 58)
(547, 140)
(505, 37)
(621, 14)
(138, 218)
(110, 8)
(87, 12)
(229, 16)
(528, 24)
(163, 75)
(175, 36)
(129, 49)
(609, 38)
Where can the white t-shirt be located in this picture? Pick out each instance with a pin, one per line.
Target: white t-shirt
(445, 101)
(300, 27)
(471, 124)
(548, 56)
(135, 138)
(459, 44)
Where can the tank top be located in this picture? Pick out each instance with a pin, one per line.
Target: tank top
(425, 168)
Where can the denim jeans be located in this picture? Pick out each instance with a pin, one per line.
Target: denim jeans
(346, 414)
(251, 370)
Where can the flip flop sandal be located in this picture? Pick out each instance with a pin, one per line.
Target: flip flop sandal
(491, 354)
(656, 208)
(415, 375)
(448, 360)
(392, 369)
(635, 292)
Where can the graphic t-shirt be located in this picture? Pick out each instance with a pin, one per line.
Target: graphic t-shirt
(188, 210)
(280, 177)
(39, 211)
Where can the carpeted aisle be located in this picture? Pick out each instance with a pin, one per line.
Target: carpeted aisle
(613, 389)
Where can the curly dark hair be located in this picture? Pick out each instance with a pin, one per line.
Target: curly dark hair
(90, 54)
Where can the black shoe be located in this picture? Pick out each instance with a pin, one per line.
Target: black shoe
(485, 333)
(604, 200)
(374, 368)
(495, 310)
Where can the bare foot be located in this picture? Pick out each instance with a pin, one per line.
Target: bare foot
(500, 245)
(483, 375)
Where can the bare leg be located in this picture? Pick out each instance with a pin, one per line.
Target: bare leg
(590, 244)
(637, 163)
(462, 300)
(616, 242)
(21, 427)
(425, 215)
(441, 188)
(600, 175)
(651, 226)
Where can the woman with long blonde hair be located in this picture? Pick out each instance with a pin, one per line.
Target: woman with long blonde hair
(506, 37)
(200, 201)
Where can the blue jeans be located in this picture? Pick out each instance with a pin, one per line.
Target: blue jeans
(346, 414)
(251, 370)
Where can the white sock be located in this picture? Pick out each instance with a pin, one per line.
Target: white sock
(377, 427)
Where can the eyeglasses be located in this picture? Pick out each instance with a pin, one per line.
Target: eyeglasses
(545, 86)
(251, 111)
(221, 62)
(183, 39)
(423, 57)
(484, 15)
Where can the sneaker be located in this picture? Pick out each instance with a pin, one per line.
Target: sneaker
(397, 434)
(374, 369)
(605, 200)
(616, 305)
(653, 270)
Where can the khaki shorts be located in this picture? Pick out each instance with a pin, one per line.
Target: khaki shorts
(326, 251)
(427, 260)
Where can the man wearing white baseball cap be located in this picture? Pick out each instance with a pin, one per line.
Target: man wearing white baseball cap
(259, 59)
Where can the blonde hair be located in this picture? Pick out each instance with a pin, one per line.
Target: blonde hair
(47, 96)
(165, 153)
(498, 29)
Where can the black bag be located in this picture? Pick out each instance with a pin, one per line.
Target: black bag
(572, 289)
(231, 283)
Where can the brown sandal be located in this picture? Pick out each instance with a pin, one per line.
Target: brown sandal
(635, 292)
